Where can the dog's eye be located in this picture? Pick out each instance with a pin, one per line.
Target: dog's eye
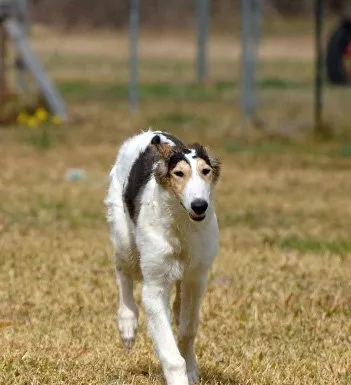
(179, 173)
(206, 171)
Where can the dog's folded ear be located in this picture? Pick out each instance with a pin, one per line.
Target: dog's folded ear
(216, 167)
(163, 150)
(215, 163)
(163, 153)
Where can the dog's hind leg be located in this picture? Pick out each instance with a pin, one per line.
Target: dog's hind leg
(127, 316)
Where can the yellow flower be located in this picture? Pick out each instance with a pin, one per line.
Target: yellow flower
(32, 122)
(41, 114)
(56, 120)
(22, 118)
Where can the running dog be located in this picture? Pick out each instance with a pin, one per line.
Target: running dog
(164, 231)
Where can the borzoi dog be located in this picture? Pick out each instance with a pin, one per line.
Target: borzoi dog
(164, 230)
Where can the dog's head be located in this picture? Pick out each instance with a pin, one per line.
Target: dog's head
(189, 173)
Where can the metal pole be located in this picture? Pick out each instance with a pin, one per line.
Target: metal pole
(3, 54)
(203, 24)
(250, 36)
(22, 14)
(31, 61)
(19, 64)
(318, 107)
(246, 60)
(133, 51)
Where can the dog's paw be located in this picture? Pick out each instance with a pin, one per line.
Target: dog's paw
(127, 325)
(176, 379)
(193, 377)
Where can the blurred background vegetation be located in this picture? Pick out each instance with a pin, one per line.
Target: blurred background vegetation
(158, 13)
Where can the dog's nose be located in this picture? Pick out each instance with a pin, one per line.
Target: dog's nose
(199, 206)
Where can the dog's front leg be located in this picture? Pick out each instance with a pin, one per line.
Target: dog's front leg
(191, 293)
(155, 300)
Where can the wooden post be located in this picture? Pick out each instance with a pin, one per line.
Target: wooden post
(2, 68)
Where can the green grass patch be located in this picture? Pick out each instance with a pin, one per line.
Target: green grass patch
(278, 146)
(83, 90)
(177, 119)
(80, 90)
(276, 83)
(264, 147)
(311, 244)
(343, 151)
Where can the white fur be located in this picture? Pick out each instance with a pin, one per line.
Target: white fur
(196, 188)
(165, 246)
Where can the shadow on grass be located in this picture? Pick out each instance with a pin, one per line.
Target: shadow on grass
(214, 376)
(152, 372)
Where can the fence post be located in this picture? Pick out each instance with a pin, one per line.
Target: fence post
(133, 52)
(19, 64)
(318, 83)
(3, 52)
(31, 61)
(250, 36)
(203, 24)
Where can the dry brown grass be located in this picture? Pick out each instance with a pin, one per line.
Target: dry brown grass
(277, 310)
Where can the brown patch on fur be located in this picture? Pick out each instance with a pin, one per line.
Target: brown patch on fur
(169, 180)
(164, 150)
(176, 184)
(202, 165)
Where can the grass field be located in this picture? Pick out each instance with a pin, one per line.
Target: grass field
(278, 306)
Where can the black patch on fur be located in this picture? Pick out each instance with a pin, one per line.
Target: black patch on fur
(175, 159)
(186, 151)
(175, 140)
(201, 153)
(156, 140)
(138, 177)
